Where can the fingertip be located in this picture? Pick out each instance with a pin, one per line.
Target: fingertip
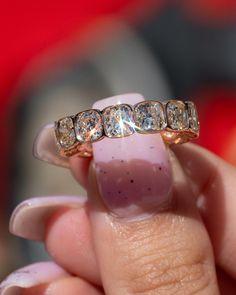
(68, 241)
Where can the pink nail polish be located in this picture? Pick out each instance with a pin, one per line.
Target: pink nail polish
(133, 173)
(45, 148)
(30, 276)
(29, 218)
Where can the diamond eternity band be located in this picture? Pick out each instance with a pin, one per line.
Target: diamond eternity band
(175, 120)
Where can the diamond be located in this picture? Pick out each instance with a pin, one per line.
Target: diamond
(177, 115)
(65, 132)
(149, 116)
(118, 121)
(88, 126)
(193, 116)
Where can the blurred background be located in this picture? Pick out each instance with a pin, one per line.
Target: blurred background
(58, 57)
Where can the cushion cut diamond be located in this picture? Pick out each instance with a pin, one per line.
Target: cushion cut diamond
(88, 126)
(193, 116)
(118, 121)
(149, 116)
(177, 115)
(65, 132)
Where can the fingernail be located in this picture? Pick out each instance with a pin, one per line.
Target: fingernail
(45, 148)
(133, 173)
(30, 276)
(29, 218)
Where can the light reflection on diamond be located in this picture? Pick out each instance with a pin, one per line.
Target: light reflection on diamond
(149, 116)
(88, 126)
(118, 121)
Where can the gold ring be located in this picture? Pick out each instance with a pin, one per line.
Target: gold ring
(175, 120)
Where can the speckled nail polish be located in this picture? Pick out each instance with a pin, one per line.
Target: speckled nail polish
(133, 173)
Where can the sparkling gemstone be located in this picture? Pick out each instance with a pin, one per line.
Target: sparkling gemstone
(149, 116)
(193, 116)
(118, 121)
(88, 126)
(177, 115)
(66, 134)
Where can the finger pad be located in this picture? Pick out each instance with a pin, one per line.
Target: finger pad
(68, 241)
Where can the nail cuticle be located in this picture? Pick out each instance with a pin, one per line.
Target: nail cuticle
(143, 216)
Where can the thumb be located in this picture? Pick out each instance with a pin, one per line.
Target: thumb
(147, 233)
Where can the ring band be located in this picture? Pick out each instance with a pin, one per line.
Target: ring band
(175, 120)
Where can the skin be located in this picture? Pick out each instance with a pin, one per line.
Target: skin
(162, 258)
(188, 248)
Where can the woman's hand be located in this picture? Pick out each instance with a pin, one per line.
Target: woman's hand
(153, 220)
